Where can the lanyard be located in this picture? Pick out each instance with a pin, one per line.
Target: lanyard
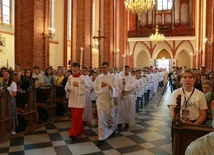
(186, 101)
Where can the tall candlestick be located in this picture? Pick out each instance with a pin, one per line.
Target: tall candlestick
(124, 63)
(124, 82)
(7, 64)
(81, 49)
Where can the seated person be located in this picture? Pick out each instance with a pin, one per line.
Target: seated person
(203, 145)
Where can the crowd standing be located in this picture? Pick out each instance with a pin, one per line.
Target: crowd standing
(115, 97)
(196, 89)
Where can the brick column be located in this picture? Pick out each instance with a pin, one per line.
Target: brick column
(81, 31)
(106, 27)
(209, 49)
(122, 33)
(31, 20)
(113, 25)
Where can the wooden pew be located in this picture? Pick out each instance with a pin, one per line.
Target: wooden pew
(61, 101)
(45, 102)
(5, 115)
(33, 108)
(184, 133)
(26, 108)
(35, 96)
(23, 111)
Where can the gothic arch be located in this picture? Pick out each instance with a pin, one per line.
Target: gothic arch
(142, 59)
(183, 59)
(163, 54)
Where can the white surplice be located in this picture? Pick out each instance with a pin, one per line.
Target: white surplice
(88, 114)
(77, 95)
(105, 108)
(126, 104)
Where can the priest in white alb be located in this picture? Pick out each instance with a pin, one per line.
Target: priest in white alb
(105, 86)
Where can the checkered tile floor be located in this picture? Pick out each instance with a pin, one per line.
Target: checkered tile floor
(150, 136)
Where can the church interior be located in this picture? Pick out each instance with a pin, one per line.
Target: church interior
(56, 33)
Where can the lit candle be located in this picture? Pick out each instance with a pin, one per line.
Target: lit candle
(81, 49)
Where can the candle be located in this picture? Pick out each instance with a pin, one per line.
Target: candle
(7, 64)
(81, 49)
(124, 63)
(124, 82)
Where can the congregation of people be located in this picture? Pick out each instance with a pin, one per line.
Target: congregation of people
(196, 90)
(115, 96)
(108, 95)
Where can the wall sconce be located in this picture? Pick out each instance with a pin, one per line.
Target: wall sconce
(192, 54)
(197, 51)
(208, 41)
(50, 34)
(95, 48)
(117, 51)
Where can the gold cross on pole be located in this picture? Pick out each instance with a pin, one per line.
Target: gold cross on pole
(98, 38)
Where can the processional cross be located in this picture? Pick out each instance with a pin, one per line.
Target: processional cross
(99, 37)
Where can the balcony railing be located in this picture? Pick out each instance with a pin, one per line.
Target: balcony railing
(167, 32)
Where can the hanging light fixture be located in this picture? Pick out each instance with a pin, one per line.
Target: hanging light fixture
(139, 6)
(157, 37)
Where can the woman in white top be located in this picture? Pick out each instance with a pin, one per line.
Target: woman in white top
(12, 88)
(193, 102)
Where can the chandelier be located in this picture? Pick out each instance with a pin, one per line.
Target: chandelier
(157, 37)
(139, 6)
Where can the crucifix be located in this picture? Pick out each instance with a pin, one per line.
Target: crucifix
(98, 38)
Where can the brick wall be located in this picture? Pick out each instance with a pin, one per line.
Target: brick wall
(31, 47)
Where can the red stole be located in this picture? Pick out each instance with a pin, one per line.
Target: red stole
(76, 75)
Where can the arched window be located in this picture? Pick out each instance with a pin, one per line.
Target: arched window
(5, 11)
(164, 5)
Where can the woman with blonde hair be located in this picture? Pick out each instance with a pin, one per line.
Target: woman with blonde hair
(193, 102)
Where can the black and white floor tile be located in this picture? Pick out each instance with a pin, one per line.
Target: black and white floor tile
(150, 136)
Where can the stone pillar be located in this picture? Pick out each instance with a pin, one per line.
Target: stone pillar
(81, 31)
(31, 20)
(209, 48)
